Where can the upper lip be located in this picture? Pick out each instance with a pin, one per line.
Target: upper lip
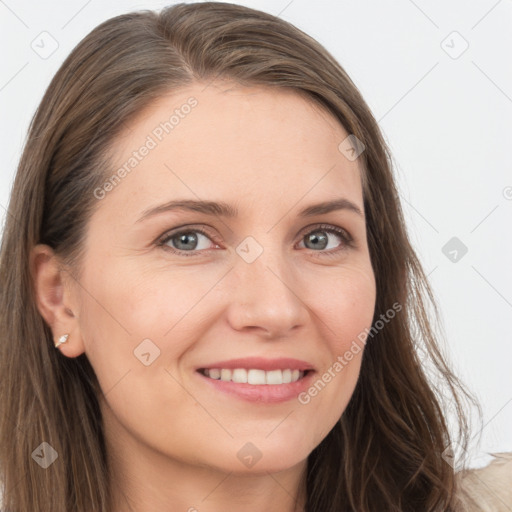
(261, 363)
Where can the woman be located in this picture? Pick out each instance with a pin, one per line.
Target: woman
(249, 371)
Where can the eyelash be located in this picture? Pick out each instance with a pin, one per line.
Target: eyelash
(343, 234)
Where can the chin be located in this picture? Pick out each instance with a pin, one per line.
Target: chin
(261, 456)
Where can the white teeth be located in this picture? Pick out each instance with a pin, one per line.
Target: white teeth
(225, 375)
(239, 375)
(214, 373)
(274, 377)
(287, 376)
(254, 376)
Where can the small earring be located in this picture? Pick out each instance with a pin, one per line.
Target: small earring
(62, 339)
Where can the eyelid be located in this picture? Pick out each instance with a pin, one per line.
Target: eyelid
(327, 227)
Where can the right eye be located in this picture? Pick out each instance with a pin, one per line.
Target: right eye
(185, 242)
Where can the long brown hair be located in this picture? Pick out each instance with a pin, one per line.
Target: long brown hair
(387, 451)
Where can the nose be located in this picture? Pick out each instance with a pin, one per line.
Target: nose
(266, 299)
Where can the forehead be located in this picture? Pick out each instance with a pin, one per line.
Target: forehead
(222, 138)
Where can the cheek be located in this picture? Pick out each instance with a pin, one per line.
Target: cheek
(134, 340)
(135, 302)
(348, 305)
(133, 310)
(345, 312)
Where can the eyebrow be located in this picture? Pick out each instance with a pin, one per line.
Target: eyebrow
(219, 208)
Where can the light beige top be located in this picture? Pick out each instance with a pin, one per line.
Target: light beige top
(487, 489)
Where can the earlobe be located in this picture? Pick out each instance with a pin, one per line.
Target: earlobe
(54, 298)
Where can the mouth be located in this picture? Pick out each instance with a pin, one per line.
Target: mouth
(254, 376)
(257, 379)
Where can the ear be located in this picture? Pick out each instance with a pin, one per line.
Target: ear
(55, 298)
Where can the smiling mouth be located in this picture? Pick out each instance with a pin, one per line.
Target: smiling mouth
(254, 376)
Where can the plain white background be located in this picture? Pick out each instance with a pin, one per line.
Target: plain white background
(438, 79)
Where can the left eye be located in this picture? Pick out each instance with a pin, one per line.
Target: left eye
(319, 238)
(189, 240)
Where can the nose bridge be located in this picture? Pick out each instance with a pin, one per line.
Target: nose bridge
(263, 292)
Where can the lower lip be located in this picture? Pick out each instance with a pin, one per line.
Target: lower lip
(264, 393)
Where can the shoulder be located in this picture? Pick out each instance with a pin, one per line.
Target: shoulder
(487, 489)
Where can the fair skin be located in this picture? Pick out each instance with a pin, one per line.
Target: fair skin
(174, 439)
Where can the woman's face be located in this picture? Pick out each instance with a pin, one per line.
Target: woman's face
(168, 292)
